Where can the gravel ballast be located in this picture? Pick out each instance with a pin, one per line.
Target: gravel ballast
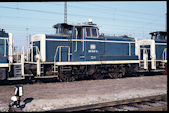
(49, 96)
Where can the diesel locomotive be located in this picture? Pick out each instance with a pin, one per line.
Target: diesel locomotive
(79, 51)
(6, 50)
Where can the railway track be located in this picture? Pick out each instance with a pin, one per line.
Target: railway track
(150, 103)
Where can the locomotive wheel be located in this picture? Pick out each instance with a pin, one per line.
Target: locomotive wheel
(120, 75)
(97, 76)
(113, 75)
(64, 77)
(165, 72)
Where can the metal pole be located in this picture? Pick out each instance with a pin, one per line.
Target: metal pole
(22, 61)
(27, 43)
(166, 22)
(65, 12)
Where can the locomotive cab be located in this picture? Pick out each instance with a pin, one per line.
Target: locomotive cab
(88, 30)
(6, 49)
(63, 28)
(154, 50)
(78, 45)
(159, 36)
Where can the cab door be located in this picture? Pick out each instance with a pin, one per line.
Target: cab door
(79, 44)
(65, 53)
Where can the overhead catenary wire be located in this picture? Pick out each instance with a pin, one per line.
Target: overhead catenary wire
(32, 10)
(77, 15)
(85, 5)
(128, 20)
(110, 24)
(106, 8)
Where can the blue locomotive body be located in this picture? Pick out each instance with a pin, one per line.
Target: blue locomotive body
(160, 38)
(3, 47)
(82, 50)
(160, 51)
(88, 45)
(153, 52)
(5, 52)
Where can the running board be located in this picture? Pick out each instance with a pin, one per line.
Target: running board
(16, 78)
(45, 76)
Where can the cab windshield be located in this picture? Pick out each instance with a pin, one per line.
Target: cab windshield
(91, 32)
(64, 29)
(159, 36)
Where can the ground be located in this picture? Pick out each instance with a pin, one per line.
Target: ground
(49, 96)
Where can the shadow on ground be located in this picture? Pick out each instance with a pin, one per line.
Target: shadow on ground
(26, 101)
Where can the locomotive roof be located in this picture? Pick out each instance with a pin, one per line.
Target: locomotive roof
(90, 24)
(2, 33)
(120, 38)
(71, 25)
(161, 32)
(162, 38)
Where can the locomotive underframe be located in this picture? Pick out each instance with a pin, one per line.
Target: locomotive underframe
(83, 72)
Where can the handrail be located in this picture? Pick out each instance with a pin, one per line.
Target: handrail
(59, 47)
(37, 51)
(164, 54)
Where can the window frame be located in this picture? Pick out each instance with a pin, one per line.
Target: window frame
(91, 33)
(95, 31)
(4, 47)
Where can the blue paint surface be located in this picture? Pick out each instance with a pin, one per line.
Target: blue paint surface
(3, 53)
(106, 49)
(90, 47)
(3, 59)
(159, 51)
(51, 47)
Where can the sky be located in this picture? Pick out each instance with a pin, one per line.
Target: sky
(133, 18)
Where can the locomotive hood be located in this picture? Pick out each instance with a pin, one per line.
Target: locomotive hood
(119, 38)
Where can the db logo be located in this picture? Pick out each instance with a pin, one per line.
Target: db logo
(92, 46)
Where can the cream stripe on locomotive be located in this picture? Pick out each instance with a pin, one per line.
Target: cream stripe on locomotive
(94, 62)
(90, 40)
(4, 65)
(3, 38)
(160, 44)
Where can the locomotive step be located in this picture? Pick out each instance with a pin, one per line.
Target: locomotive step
(46, 76)
(15, 78)
(17, 68)
(161, 66)
(18, 73)
(55, 71)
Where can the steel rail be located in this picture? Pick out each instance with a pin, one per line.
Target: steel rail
(120, 102)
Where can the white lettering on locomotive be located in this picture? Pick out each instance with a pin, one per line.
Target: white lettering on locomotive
(93, 49)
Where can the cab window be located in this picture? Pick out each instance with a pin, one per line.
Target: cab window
(165, 38)
(94, 32)
(91, 32)
(79, 33)
(88, 32)
(1, 49)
